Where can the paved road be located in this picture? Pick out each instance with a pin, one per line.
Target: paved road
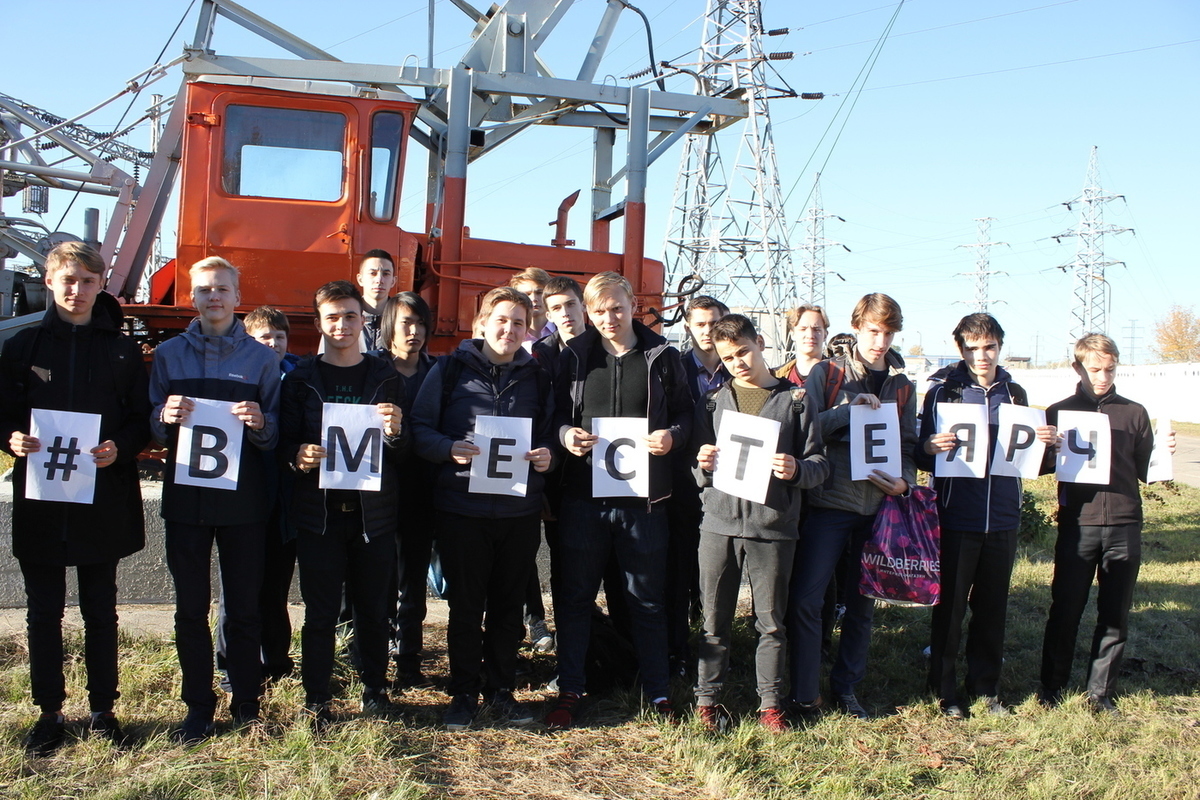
(1187, 460)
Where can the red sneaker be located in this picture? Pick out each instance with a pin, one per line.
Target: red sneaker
(562, 714)
(773, 720)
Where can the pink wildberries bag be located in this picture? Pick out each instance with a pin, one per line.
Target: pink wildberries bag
(901, 563)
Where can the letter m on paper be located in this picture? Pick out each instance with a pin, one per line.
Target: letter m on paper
(371, 442)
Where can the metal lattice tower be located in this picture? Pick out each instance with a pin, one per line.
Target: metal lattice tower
(982, 273)
(812, 274)
(1092, 293)
(729, 227)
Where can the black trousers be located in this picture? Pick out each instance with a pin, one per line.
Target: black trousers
(46, 593)
(414, 542)
(683, 570)
(1112, 554)
(240, 555)
(487, 564)
(342, 556)
(976, 569)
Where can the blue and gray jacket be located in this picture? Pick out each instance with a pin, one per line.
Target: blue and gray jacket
(985, 504)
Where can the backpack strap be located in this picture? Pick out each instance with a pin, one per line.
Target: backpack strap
(833, 381)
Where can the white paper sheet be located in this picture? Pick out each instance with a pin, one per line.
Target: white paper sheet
(746, 445)
(874, 441)
(1018, 451)
(209, 452)
(64, 469)
(621, 459)
(1086, 452)
(969, 421)
(500, 467)
(353, 442)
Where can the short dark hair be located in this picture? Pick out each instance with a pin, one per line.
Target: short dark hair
(706, 302)
(391, 309)
(978, 326)
(732, 327)
(336, 290)
(267, 317)
(561, 284)
(377, 253)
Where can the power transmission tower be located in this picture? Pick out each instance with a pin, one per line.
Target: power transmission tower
(812, 275)
(1092, 294)
(982, 273)
(1132, 327)
(729, 228)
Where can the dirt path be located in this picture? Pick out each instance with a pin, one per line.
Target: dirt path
(1187, 460)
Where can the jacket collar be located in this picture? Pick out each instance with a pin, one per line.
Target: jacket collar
(648, 341)
(105, 315)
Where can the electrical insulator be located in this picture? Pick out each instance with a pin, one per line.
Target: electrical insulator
(35, 199)
(786, 55)
(812, 95)
(778, 32)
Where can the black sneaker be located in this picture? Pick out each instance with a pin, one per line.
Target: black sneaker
(848, 704)
(377, 702)
(461, 713)
(505, 709)
(247, 715)
(46, 735)
(104, 725)
(409, 676)
(195, 728)
(806, 713)
(319, 716)
(1101, 704)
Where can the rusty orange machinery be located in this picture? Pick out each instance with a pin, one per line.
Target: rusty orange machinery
(294, 188)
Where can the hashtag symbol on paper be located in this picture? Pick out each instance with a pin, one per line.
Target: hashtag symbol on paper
(54, 465)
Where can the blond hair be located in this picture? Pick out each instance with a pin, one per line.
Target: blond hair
(80, 253)
(605, 283)
(212, 264)
(530, 275)
(794, 314)
(1096, 343)
(502, 294)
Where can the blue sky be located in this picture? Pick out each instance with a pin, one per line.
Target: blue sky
(971, 110)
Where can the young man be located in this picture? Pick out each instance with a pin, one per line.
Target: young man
(842, 510)
(345, 538)
(979, 520)
(407, 321)
(376, 277)
(618, 368)
(1099, 533)
(216, 359)
(270, 326)
(704, 372)
(487, 541)
(810, 327)
(739, 535)
(531, 282)
(78, 360)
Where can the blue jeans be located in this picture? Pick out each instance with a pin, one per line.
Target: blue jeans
(589, 531)
(824, 537)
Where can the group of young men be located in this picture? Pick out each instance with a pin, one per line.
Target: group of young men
(565, 358)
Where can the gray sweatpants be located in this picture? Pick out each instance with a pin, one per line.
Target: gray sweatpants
(768, 566)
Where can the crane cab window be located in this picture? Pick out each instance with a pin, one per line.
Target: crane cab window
(284, 152)
(387, 132)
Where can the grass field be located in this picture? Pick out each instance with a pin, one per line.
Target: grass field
(1151, 751)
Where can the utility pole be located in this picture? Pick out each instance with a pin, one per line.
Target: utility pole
(812, 276)
(729, 228)
(1132, 327)
(982, 272)
(1092, 293)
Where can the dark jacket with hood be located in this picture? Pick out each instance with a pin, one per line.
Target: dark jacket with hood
(519, 388)
(972, 504)
(669, 403)
(1119, 502)
(778, 517)
(92, 369)
(231, 368)
(300, 412)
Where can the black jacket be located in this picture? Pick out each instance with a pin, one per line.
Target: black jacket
(518, 389)
(972, 504)
(1119, 502)
(300, 410)
(93, 369)
(669, 402)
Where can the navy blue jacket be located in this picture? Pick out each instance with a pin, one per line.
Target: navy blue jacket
(985, 504)
(517, 389)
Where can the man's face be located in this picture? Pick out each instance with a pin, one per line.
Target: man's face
(408, 337)
(744, 360)
(504, 328)
(566, 312)
(612, 315)
(215, 296)
(699, 325)
(75, 290)
(1098, 370)
(534, 291)
(810, 333)
(340, 323)
(376, 276)
(982, 357)
(874, 340)
(273, 338)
